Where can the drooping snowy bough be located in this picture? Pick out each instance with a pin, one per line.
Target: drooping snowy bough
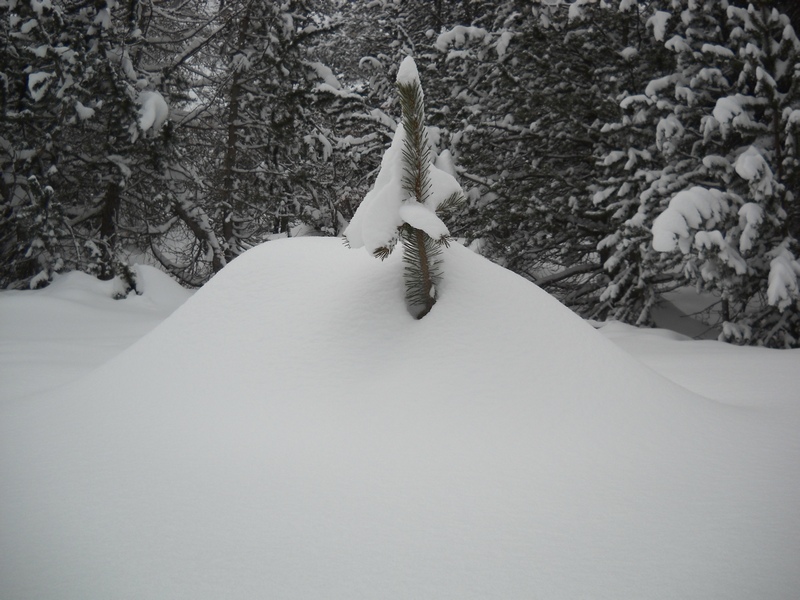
(404, 204)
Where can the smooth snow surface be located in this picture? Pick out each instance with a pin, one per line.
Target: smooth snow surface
(292, 432)
(79, 313)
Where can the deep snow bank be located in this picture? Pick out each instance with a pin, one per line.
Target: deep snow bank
(35, 324)
(292, 432)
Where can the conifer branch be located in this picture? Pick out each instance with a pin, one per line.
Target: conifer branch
(416, 150)
(422, 271)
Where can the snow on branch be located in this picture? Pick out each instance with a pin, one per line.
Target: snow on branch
(689, 210)
(458, 36)
(784, 271)
(659, 24)
(691, 224)
(154, 110)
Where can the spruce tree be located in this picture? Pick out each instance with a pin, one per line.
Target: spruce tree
(408, 192)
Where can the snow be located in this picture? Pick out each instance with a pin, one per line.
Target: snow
(717, 50)
(84, 112)
(794, 118)
(750, 165)
(326, 74)
(51, 336)
(445, 162)
(375, 223)
(38, 6)
(656, 86)
(383, 210)
(292, 432)
(335, 91)
(688, 210)
(28, 26)
(677, 44)
(730, 111)
(659, 24)
(708, 240)
(783, 289)
(154, 110)
(576, 9)
(103, 18)
(421, 217)
(407, 74)
(458, 36)
(751, 216)
(502, 43)
(740, 376)
(669, 131)
(38, 83)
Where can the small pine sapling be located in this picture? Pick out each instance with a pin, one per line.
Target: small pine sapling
(403, 204)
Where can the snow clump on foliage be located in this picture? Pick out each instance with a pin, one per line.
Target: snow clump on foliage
(389, 204)
(154, 110)
(689, 210)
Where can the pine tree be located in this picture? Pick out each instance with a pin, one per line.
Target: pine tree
(403, 204)
(721, 199)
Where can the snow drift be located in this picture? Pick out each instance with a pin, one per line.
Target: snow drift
(292, 432)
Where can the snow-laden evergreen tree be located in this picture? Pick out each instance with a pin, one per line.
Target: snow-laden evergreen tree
(80, 109)
(536, 82)
(403, 204)
(725, 142)
(648, 158)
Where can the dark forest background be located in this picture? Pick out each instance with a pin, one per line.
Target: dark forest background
(183, 132)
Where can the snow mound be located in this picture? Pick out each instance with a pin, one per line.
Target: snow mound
(292, 432)
(35, 325)
(156, 289)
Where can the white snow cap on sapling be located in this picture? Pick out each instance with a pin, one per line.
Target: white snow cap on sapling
(407, 73)
(408, 191)
(377, 218)
(421, 217)
(389, 205)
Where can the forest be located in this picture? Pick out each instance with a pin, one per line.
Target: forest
(611, 151)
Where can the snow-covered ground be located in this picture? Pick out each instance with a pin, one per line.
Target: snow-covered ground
(290, 431)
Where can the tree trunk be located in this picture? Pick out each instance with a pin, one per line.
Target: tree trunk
(229, 201)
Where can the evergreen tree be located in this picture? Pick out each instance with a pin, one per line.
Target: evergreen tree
(537, 83)
(725, 139)
(74, 102)
(408, 192)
